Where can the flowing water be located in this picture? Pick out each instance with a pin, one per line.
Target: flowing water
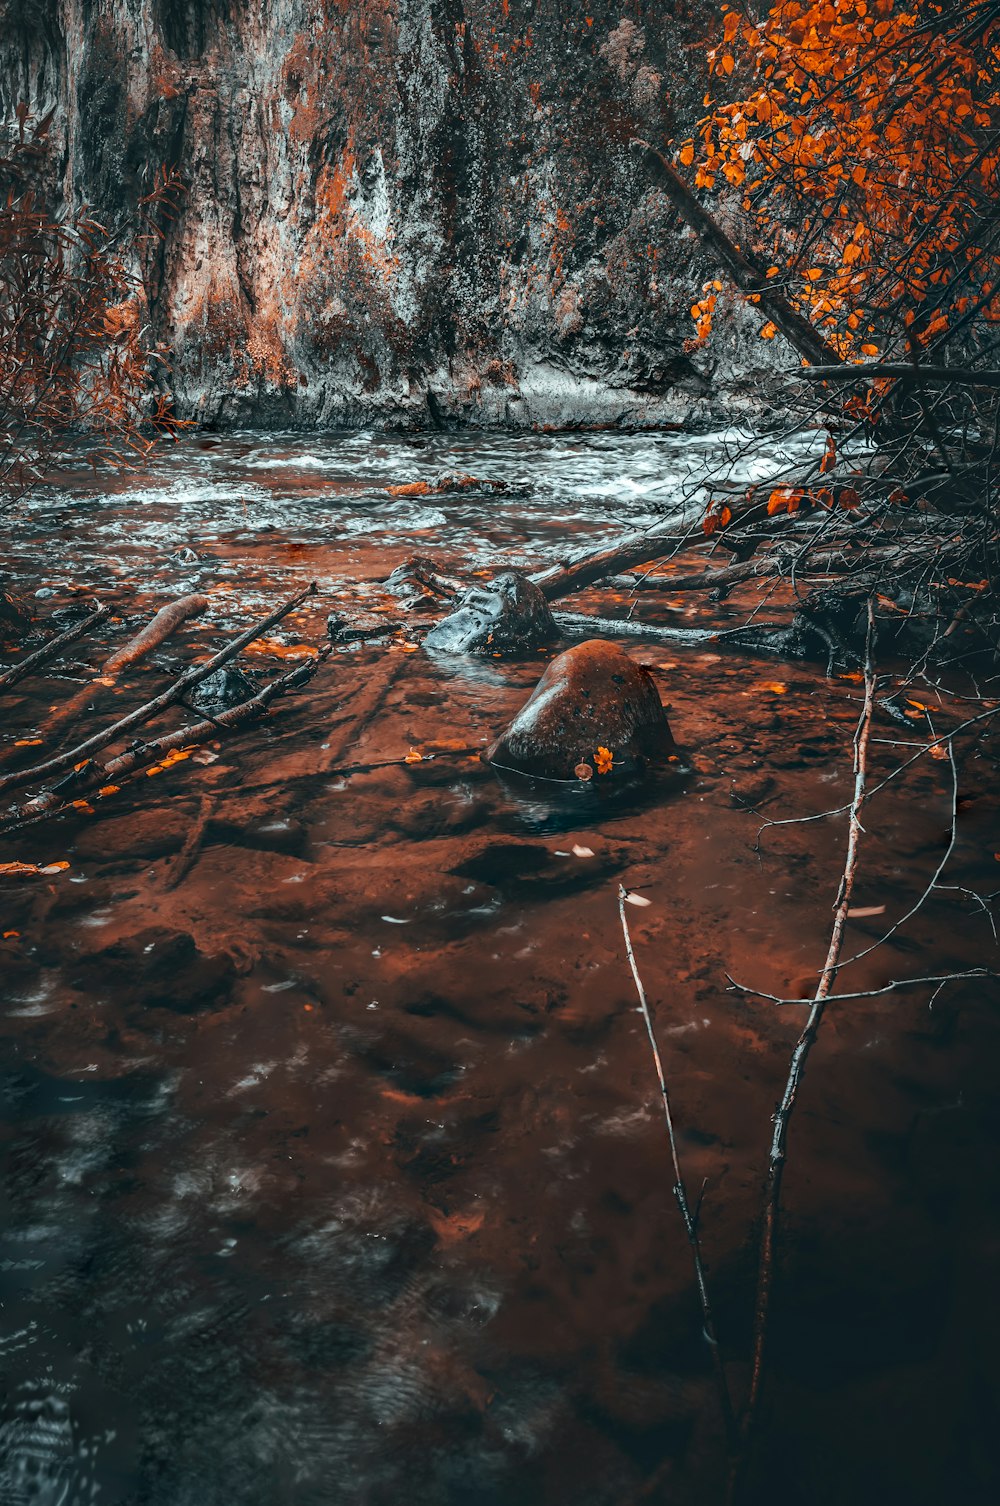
(335, 1168)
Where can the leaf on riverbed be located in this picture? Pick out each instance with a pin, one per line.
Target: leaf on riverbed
(637, 899)
(582, 852)
(413, 757)
(863, 911)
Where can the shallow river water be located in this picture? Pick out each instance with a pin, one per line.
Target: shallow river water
(335, 1169)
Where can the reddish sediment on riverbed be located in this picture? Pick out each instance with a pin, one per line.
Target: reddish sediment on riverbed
(335, 1164)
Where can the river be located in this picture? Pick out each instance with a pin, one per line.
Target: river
(336, 1173)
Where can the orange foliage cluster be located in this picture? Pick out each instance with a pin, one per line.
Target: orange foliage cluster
(865, 142)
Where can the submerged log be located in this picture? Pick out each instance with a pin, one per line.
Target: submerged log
(167, 620)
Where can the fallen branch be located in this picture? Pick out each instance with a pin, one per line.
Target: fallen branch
(586, 566)
(800, 1055)
(50, 650)
(747, 274)
(167, 620)
(585, 622)
(688, 1218)
(874, 371)
(90, 775)
(160, 703)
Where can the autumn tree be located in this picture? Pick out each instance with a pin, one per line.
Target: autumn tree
(846, 179)
(865, 144)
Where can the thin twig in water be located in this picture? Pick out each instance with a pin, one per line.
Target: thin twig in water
(932, 885)
(868, 993)
(688, 1218)
(800, 1055)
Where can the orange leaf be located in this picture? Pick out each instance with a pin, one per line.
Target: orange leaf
(603, 760)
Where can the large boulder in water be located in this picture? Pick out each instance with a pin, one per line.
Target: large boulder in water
(593, 711)
(508, 614)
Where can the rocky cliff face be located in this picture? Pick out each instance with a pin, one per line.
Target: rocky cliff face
(395, 210)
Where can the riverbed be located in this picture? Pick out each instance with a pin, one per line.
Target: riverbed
(336, 1170)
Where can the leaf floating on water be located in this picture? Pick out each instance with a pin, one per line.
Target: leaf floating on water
(54, 867)
(583, 771)
(413, 757)
(109, 789)
(582, 852)
(637, 899)
(27, 742)
(604, 760)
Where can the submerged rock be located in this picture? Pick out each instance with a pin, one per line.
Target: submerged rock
(595, 711)
(227, 688)
(162, 968)
(508, 614)
(417, 580)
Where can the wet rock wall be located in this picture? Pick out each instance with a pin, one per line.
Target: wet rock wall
(401, 211)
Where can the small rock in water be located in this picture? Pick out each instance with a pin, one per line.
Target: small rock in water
(356, 626)
(508, 614)
(228, 687)
(594, 707)
(417, 580)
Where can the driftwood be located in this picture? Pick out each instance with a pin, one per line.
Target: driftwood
(91, 775)
(152, 708)
(50, 650)
(747, 274)
(588, 565)
(585, 622)
(167, 620)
